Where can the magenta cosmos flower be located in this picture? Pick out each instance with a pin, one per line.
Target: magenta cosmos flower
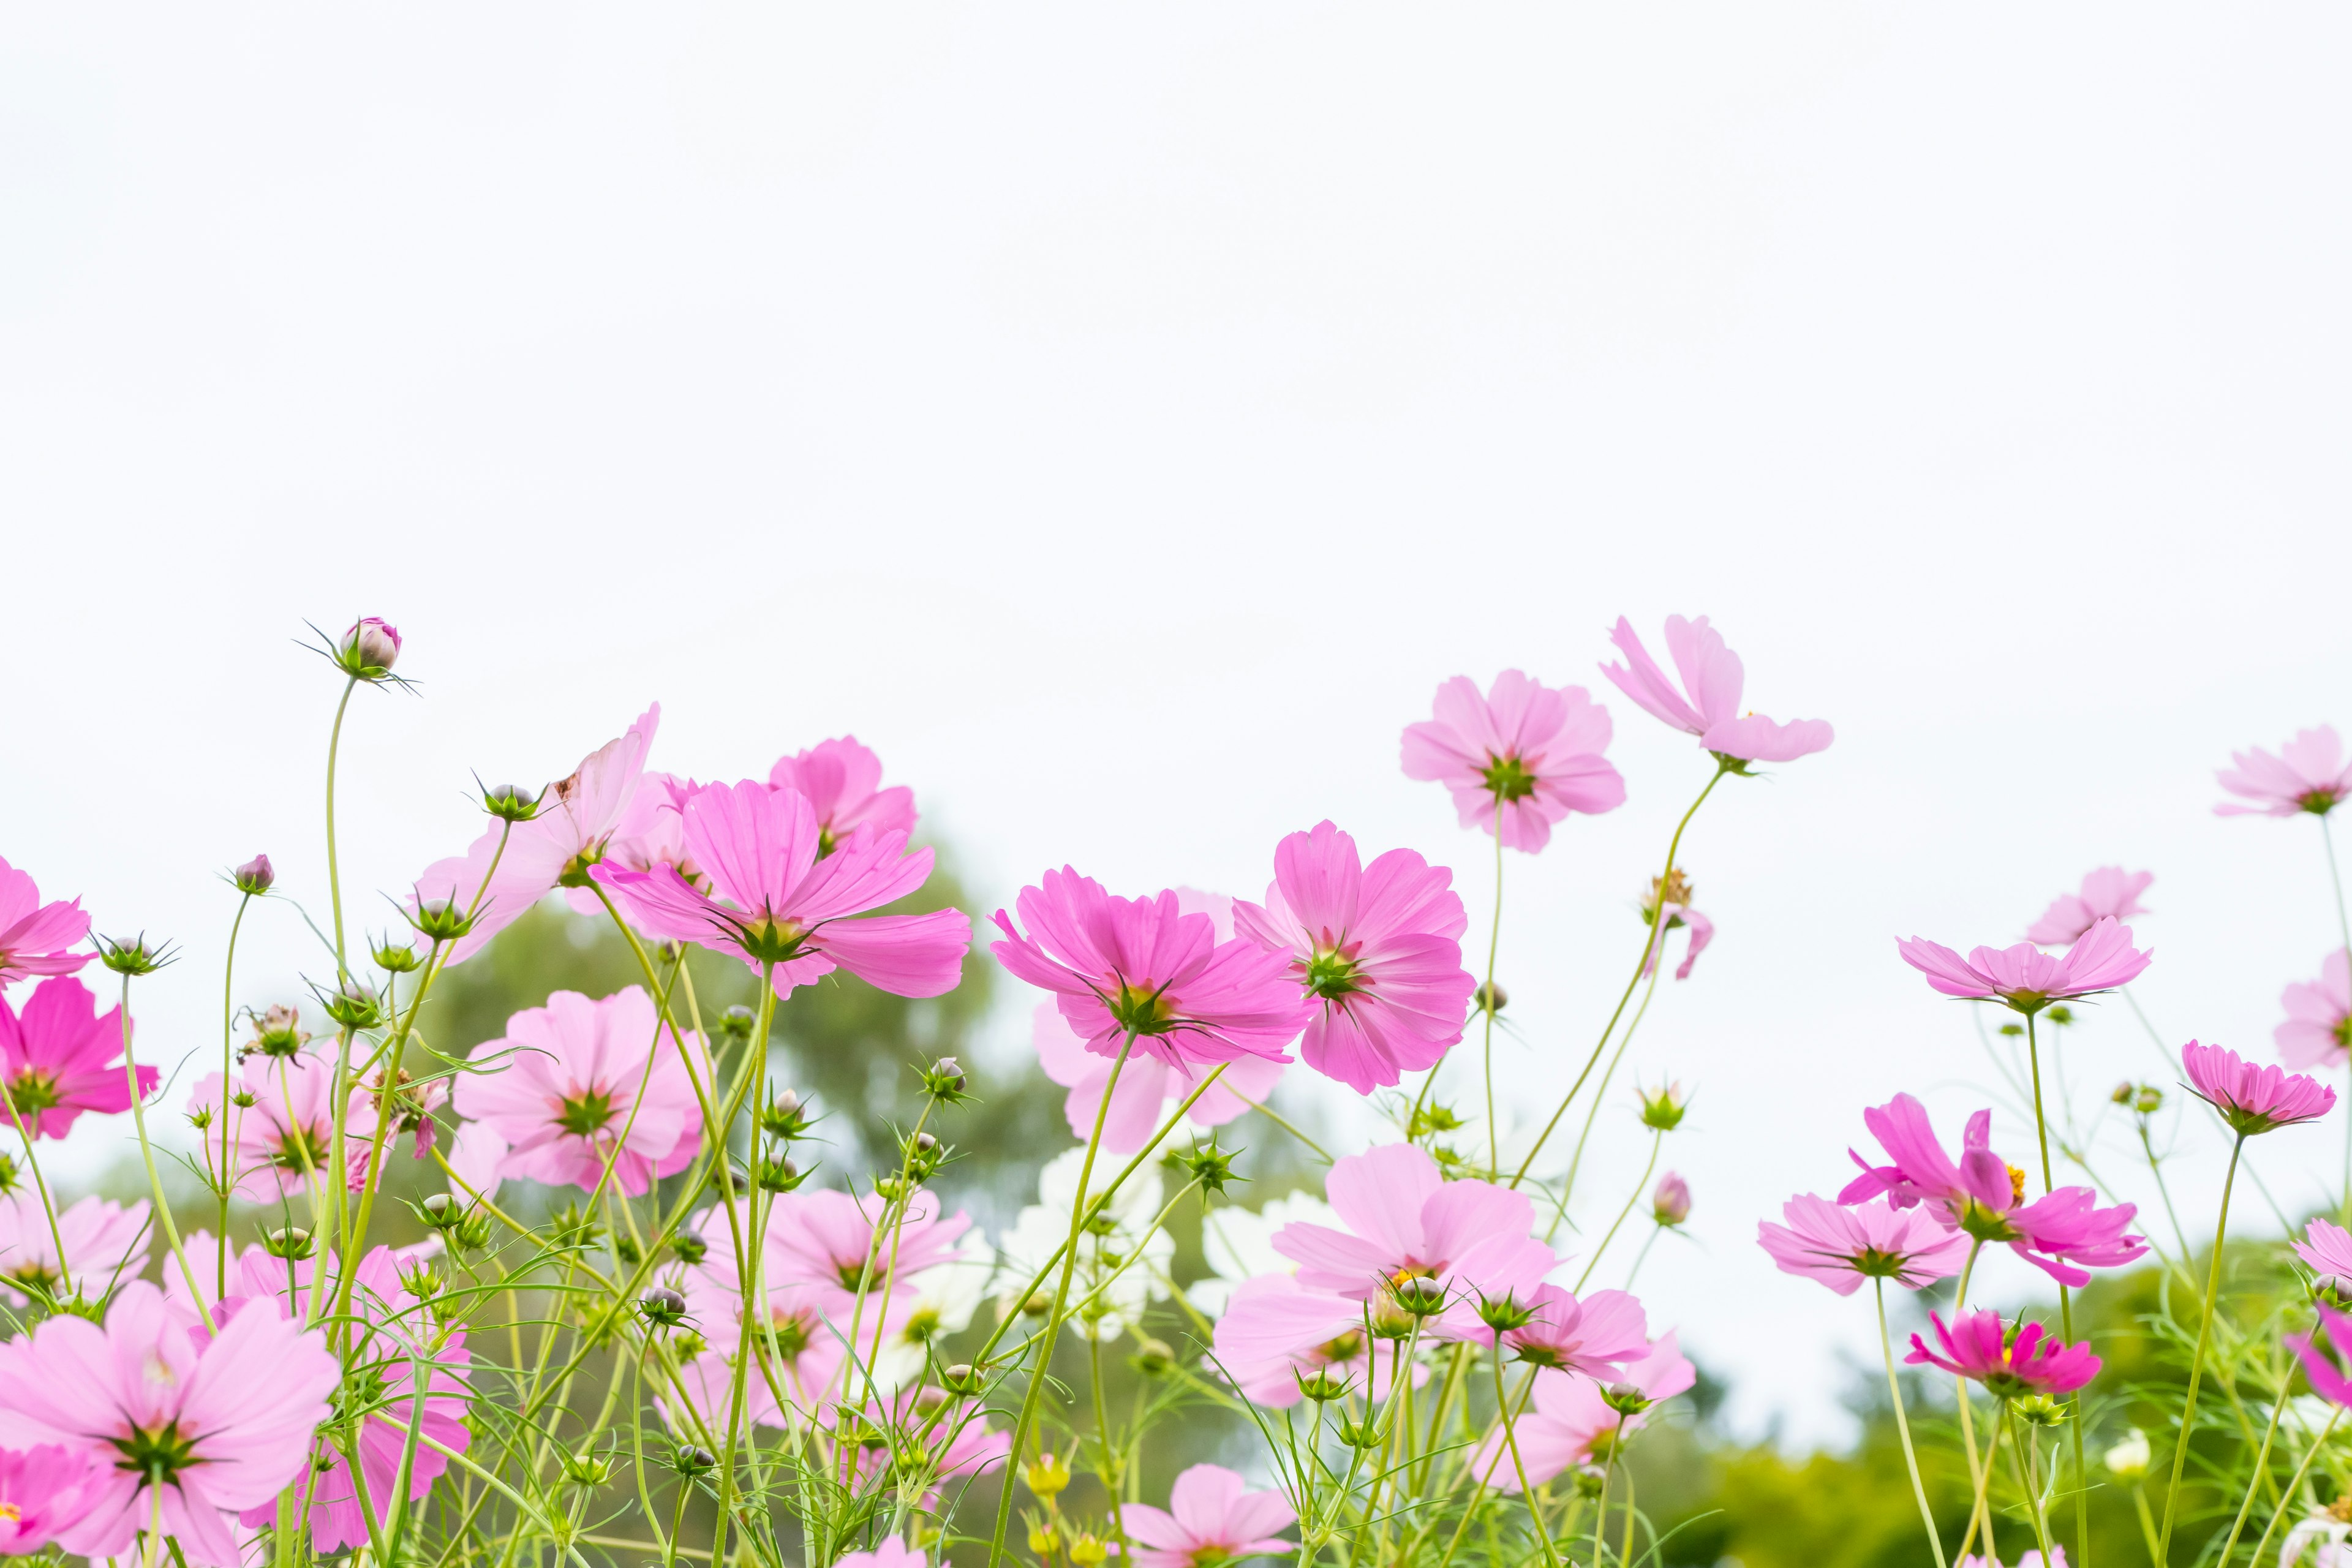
(1146, 1086)
(2308, 774)
(1574, 1424)
(1706, 704)
(223, 1426)
(59, 1058)
(2108, 893)
(1842, 1247)
(1275, 1331)
(42, 1492)
(568, 1087)
(2250, 1099)
(1144, 967)
(105, 1243)
(773, 900)
(2318, 1028)
(1376, 950)
(2010, 1360)
(2326, 1372)
(34, 936)
(2062, 1232)
(280, 1117)
(1405, 1222)
(2025, 977)
(842, 782)
(1211, 1517)
(1524, 752)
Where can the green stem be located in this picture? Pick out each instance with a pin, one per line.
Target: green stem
(2197, 1365)
(1902, 1426)
(2065, 1310)
(1656, 1138)
(2262, 1468)
(1494, 945)
(334, 874)
(33, 1161)
(228, 1064)
(155, 1180)
(2294, 1486)
(1511, 1441)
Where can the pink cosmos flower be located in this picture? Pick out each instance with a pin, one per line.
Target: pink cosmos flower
(699, 1401)
(1146, 1086)
(1670, 1203)
(2326, 1372)
(1275, 1330)
(104, 1242)
(1144, 965)
(34, 936)
(1572, 1424)
(2327, 1249)
(2010, 1360)
(2252, 1099)
(41, 1494)
(2108, 893)
(773, 900)
(799, 1344)
(1211, 1518)
(2318, 1027)
(225, 1426)
(828, 1239)
(1405, 1221)
(577, 817)
(2025, 976)
(892, 1554)
(842, 782)
(1713, 677)
(58, 1058)
(1376, 950)
(280, 1118)
(2032, 1559)
(2308, 774)
(1841, 1247)
(2062, 1232)
(1525, 750)
(1595, 1336)
(1702, 932)
(960, 1447)
(567, 1088)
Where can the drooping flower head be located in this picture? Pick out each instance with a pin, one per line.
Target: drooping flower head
(60, 1057)
(2011, 1360)
(1842, 1247)
(1706, 704)
(842, 782)
(2318, 1028)
(1524, 752)
(105, 1243)
(2252, 1099)
(1668, 901)
(281, 1119)
(1573, 1422)
(1377, 951)
(2108, 893)
(2024, 977)
(2308, 774)
(1145, 967)
(773, 900)
(42, 1493)
(1211, 1517)
(34, 936)
(576, 1083)
(1146, 1086)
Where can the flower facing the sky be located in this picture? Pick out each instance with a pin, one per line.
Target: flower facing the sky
(280, 1112)
(2108, 893)
(1706, 704)
(2308, 774)
(2026, 978)
(1525, 755)
(2252, 1099)
(1211, 1518)
(105, 1243)
(2318, 1028)
(1572, 1422)
(2011, 1360)
(35, 936)
(576, 1083)
(60, 1056)
(1377, 951)
(1840, 1246)
(842, 782)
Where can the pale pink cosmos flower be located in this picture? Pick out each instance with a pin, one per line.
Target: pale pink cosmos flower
(43, 1492)
(2252, 1099)
(225, 1426)
(1596, 1335)
(2318, 1028)
(2010, 1361)
(798, 1342)
(1211, 1518)
(959, 1447)
(1571, 1423)
(1702, 932)
(568, 1087)
(2308, 774)
(2108, 893)
(59, 1058)
(577, 817)
(2062, 1232)
(698, 1400)
(892, 1553)
(1377, 951)
(105, 1242)
(34, 936)
(842, 782)
(1275, 1330)
(1524, 752)
(1146, 967)
(2326, 1372)
(1713, 678)
(2327, 1249)
(282, 1134)
(476, 1152)
(829, 1239)
(1841, 1247)
(1146, 1086)
(773, 900)
(650, 834)
(2026, 978)
(2032, 1559)
(1670, 1202)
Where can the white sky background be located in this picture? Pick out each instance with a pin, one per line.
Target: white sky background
(1123, 420)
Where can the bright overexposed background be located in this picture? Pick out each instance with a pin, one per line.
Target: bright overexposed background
(1122, 418)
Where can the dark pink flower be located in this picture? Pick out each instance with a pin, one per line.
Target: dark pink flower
(2326, 1372)
(1146, 1086)
(2308, 774)
(43, 1492)
(1842, 1247)
(1143, 966)
(843, 782)
(2318, 1028)
(59, 1058)
(372, 645)
(1211, 1518)
(2108, 893)
(2025, 976)
(2250, 1099)
(772, 899)
(1573, 1422)
(1525, 750)
(2010, 1360)
(34, 936)
(1706, 704)
(1376, 950)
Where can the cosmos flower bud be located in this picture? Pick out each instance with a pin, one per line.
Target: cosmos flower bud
(1422, 1298)
(2149, 1101)
(396, 957)
(1088, 1551)
(2038, 1410)
(962, 1380)
(440, 920)
(1042, 1539)
(473, 1232)
(777, 1175)
(255, 877)
(1503, 1313)
(1670, 1203)
(1625, 1398)
(369, 649)
(1490, 997)
(662, 1307)
(784, 1117)
(2124, 1092)
(1039, 1303)
(943, 1081)
(587, 1471)
(2129, 1460)
(1360, 1435)
(133, 956)
(1153, 1358)
(2060, 1014)
(440, 1211)
(690, 1460)
(2332, 1290)
(1323, 1387)
(688, 1249)
(420, 1281)
(354, 1006)
(1209, 1165)
(292, 1241)
(1664, 1107)
(277, 1031)
(9, 1175)
(510, 803)
(1589, 1482)
(1046, 1474)
(736, 1023)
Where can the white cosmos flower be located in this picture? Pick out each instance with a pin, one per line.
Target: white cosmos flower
(1121, 1269)
(1239, 1246)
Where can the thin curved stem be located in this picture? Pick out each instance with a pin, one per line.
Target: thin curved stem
(1656, 1138)
(1494, 946)
(2294, 1484)
(154, 1179)
(1902, 1426)
(334, 874)
(2197, 1365)
(228, 1064)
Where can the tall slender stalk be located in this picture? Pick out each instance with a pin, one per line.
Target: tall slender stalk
(334, 873)
(1494, 946)
(1902, 1426)
(2065, 1312)
(228, 1064)
(2197, 1365)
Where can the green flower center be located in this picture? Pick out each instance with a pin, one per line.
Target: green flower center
(1331, 975)
(791, 1335)
(32, 1092)
(772, 941)
(1346, 1347)
(162, 1454)
(298, 1150)
(587, 1116)
(1509, 779)
(2318, 802)
(1142, 1009)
